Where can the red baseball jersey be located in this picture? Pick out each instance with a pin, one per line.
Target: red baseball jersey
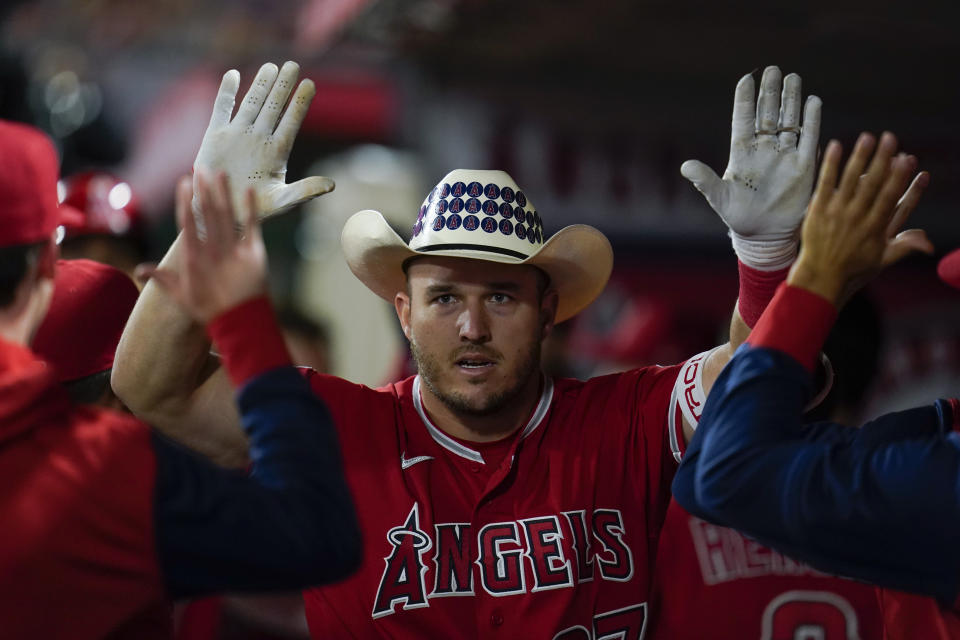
(77, 553)
(547, 534)
(908, 616)
(713, 582)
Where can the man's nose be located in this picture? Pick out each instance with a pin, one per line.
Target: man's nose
(474, 323)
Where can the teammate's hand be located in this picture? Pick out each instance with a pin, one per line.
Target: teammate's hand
(252, 148)
(218, 269)
(853, 229)
(765, 190)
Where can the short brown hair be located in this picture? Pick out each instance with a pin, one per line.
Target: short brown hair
(14, 264)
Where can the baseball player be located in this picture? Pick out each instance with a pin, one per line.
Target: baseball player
(107, 225)
(495, 502)
(102, 519)
(878, 503)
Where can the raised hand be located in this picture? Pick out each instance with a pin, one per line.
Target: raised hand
(217, 268)
(852, 229)
(765, 189)
(252, 148)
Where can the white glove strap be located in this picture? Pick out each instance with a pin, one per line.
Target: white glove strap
(766, 254)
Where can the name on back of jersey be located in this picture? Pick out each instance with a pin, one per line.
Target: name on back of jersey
(725, 555)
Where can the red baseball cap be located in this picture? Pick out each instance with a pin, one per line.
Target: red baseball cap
(949, 269)
(29, 212)
(107, 206)
(90, 306)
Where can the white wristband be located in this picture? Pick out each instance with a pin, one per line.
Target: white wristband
(768, 254)
(686, 400)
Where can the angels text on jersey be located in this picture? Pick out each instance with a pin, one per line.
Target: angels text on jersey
(501, 558)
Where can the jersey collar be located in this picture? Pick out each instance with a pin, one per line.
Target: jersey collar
(451, 445)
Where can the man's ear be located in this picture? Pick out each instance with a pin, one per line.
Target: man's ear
(548, 312)
(402, 304)
(47, 258)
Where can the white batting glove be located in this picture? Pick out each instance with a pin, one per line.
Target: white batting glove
(769, 178)
(252, 149)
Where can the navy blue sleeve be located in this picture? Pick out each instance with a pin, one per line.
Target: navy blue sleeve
(879, 504)
(288, 524)
(919, 422)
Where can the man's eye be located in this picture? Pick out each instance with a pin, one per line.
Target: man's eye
(444, 299)
(499, 298)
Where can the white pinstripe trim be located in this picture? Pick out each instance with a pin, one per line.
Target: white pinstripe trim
(451, 445)
(542, 407)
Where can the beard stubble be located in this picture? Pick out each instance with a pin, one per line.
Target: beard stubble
(430, 369)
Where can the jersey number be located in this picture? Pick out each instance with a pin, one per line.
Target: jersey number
(629, 623)
(809, 615)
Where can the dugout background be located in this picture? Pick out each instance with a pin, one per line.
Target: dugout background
(591, 104)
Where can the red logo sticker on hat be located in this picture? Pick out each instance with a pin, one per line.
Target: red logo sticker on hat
(490, 207)
(519, 214)
(521, 199)
(521, 231)
(445, 190)
(531, 235)
(489, 225)
(470, 223)
(473, 205)
(453, 222)
(506, 210)
(438, 223)
(506, 227)
(507, 194)
(458, 190)
(441, 207)
(456, 205)
(492, 191)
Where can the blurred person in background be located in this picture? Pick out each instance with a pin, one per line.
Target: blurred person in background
(438, 460)
(109, 227)
(103, 518)
(367, 345)
(853, 350)
(308, 340)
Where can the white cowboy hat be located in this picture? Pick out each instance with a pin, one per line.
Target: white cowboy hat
(481, 215)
